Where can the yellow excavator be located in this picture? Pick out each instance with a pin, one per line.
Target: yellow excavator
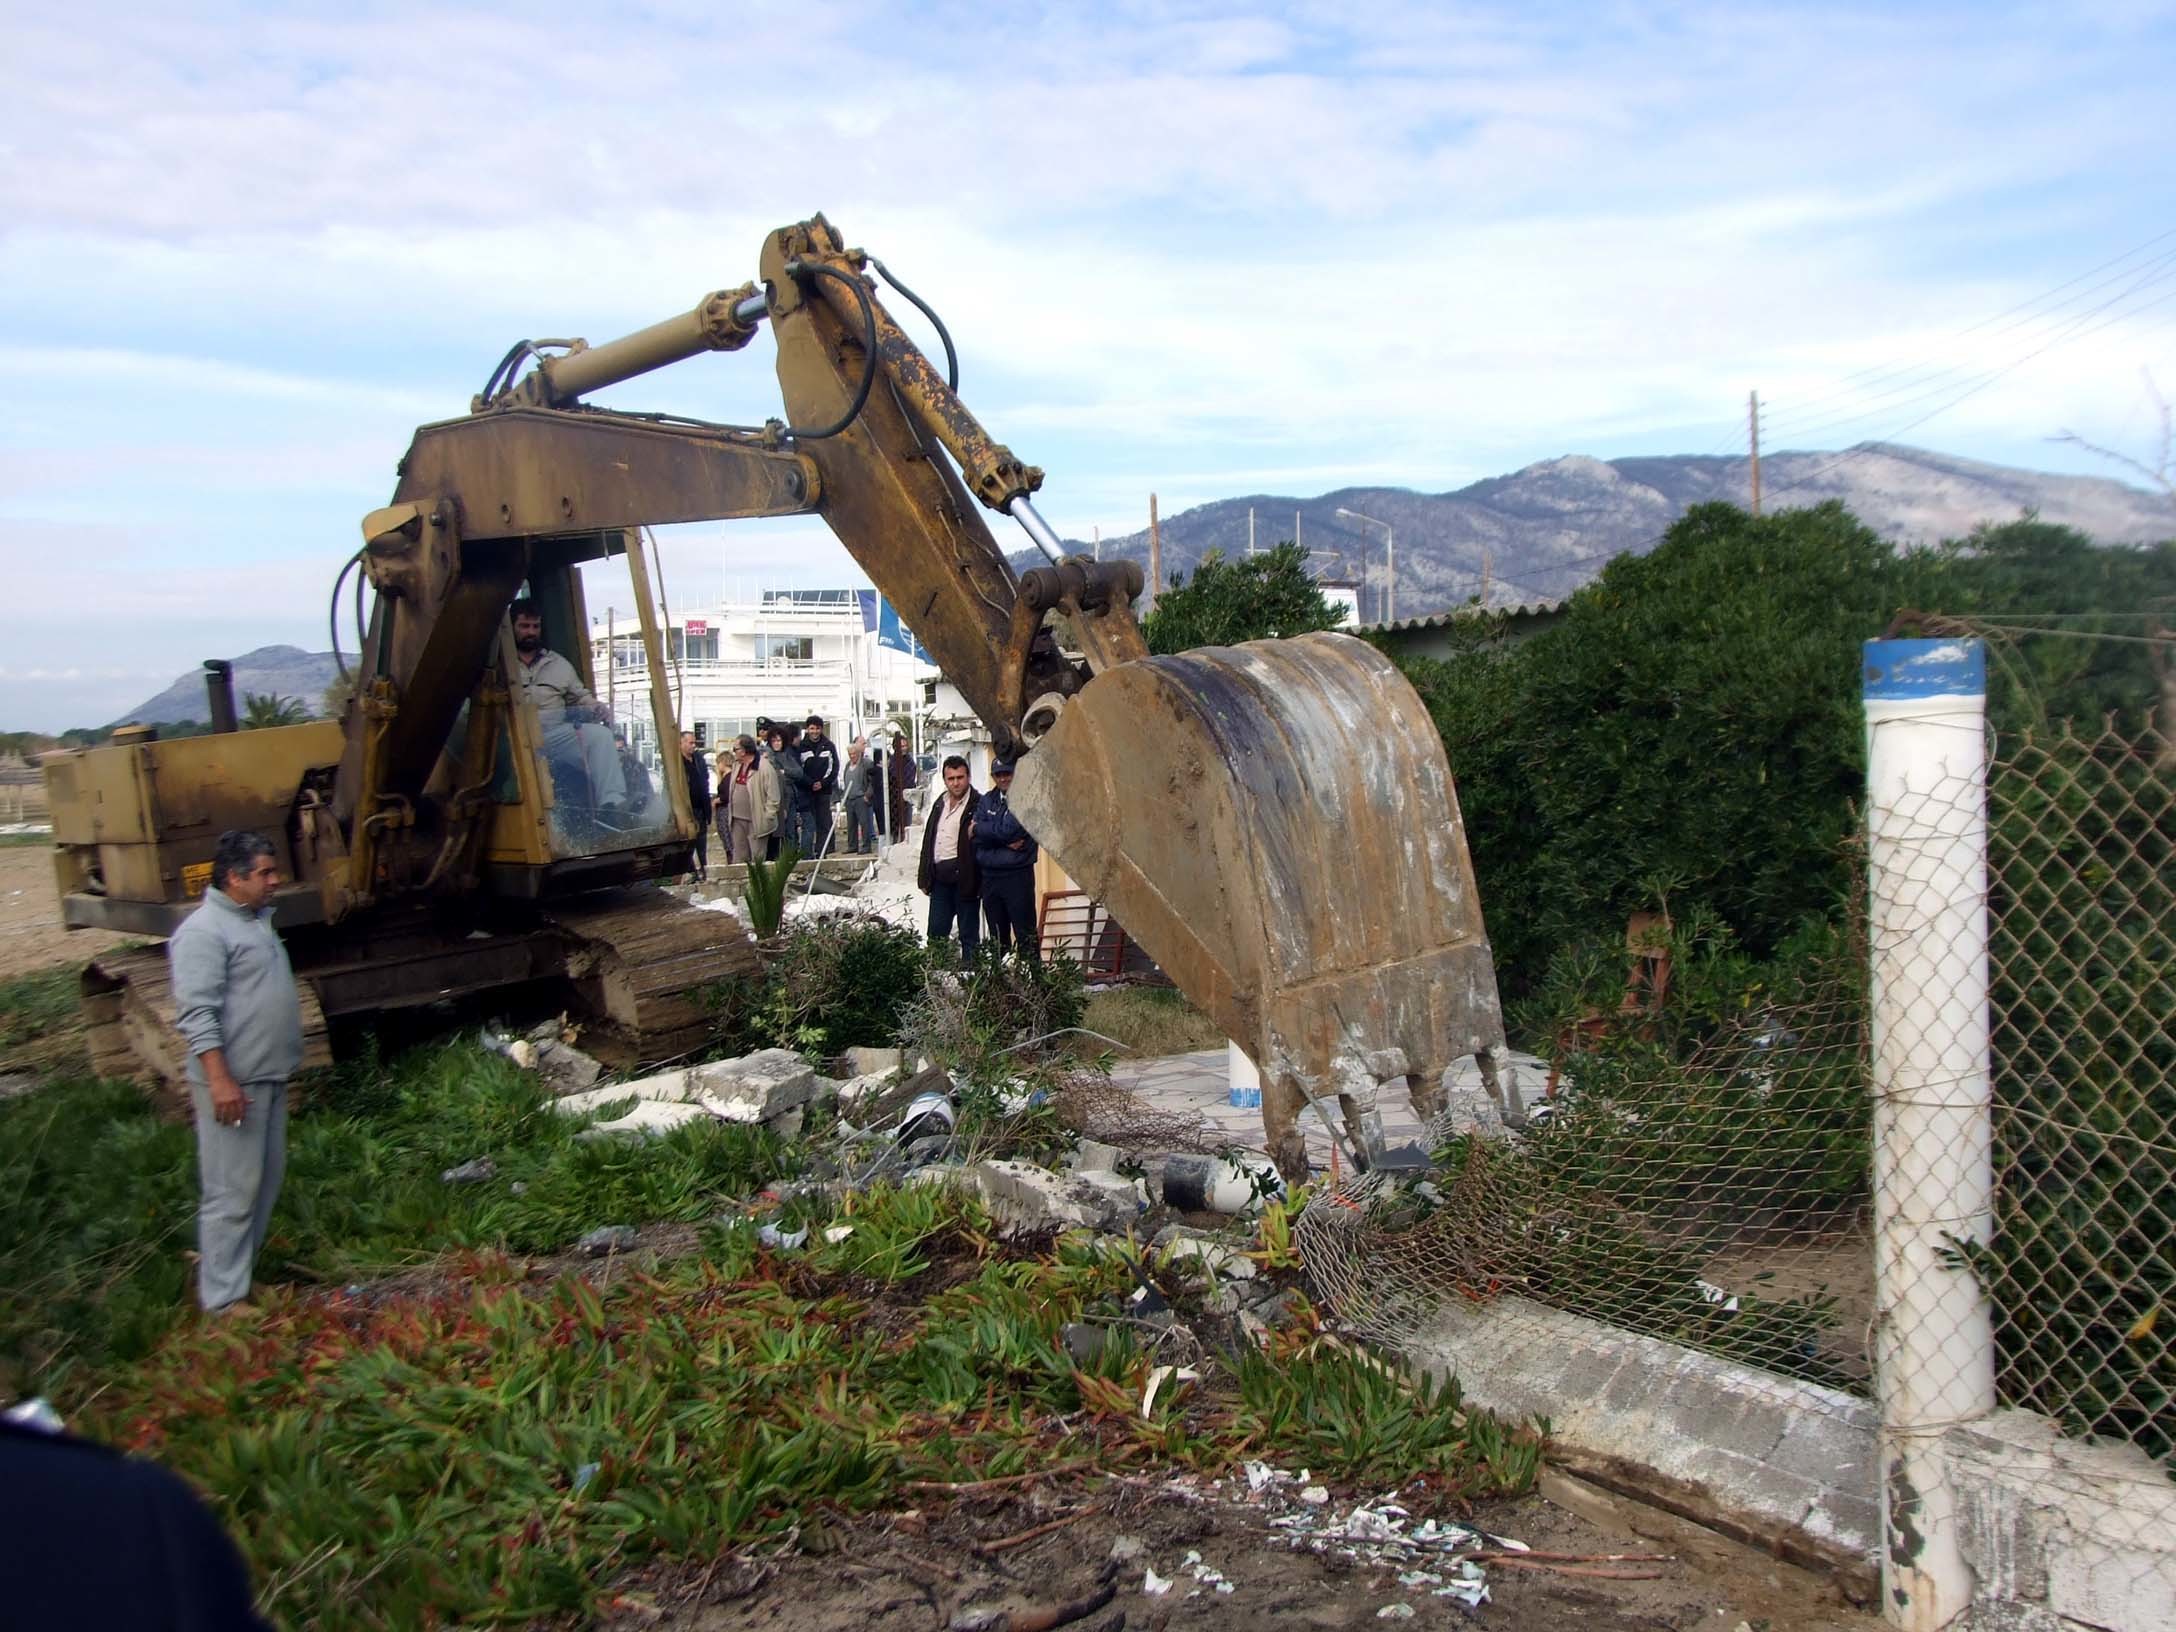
(1275, 823)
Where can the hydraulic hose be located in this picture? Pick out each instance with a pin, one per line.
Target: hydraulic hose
(951, 357)
(868, 370)
(332, 614)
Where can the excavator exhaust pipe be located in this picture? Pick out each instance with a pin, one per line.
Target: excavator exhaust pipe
(1276, 824)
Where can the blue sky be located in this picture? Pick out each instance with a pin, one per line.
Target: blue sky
(1198, 250)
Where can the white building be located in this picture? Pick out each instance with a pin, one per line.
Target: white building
(787, 655)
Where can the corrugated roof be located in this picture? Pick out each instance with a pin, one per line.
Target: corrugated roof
(1443, 620)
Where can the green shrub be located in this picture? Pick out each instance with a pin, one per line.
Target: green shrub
(765, 892)
(1692, 725)
(841, 982)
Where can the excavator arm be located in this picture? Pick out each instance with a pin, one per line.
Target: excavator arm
(1275, 823)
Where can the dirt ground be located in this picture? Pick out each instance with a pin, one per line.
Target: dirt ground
(31, 935)
(961, 1560)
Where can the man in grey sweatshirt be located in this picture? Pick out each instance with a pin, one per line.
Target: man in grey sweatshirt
(235, 998)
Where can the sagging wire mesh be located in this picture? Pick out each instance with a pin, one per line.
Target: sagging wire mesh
(1095, 1107)
(1715, 1196)
(2082, 1267)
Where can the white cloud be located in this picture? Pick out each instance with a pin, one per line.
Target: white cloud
(1197, 250)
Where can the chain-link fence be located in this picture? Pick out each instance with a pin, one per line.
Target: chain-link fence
(2081, 1269)
(1715, 1197)
(1942, 1169)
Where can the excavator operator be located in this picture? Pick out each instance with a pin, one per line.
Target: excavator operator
(567, 715)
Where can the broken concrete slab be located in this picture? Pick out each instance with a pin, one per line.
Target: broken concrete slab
(855, 1091)
(668, 1087)
(477, 1171)
(1024, 1196)
(609, 1238)
(756, 1087)
(872, 1062)
(648, 1119)
(1219, 1258)
(1094, 1156)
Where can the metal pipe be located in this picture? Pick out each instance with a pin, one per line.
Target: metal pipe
(219, 694)
(1022, 510)
(724, 321)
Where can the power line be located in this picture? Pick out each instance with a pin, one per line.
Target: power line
(1972, 390)
(1928, 384)
(1881, 372)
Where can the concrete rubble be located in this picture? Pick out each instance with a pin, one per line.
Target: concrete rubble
(548, 1050)
(1024, 1197)
(774, 1087)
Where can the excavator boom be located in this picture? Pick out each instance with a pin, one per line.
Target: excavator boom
(1275, 824)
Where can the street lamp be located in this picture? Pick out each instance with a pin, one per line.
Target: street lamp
(1390, 562)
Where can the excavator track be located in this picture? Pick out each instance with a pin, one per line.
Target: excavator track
(132, 1033)
(642, 963)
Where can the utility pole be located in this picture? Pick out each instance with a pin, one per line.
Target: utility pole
(1388, 605)
(1752, 411)
(1155, 552)
(1250, 529)
(1098, 531)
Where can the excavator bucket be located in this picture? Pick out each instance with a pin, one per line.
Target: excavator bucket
(1275, 823)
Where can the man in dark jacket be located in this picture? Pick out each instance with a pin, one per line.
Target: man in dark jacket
(785, 746)
(820, 759)
(899, 777)
(1005, 867)
(91, 1539)
(948, 875)
(697, 765)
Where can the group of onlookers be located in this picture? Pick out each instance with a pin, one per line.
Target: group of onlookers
(785, 787)
(978, 863)
(780, 788)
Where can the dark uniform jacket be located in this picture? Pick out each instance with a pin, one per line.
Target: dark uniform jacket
(995, 829)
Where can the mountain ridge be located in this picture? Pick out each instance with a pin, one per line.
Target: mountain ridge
(1541, 532)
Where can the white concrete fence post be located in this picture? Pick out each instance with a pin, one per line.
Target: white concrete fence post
(1926, 824)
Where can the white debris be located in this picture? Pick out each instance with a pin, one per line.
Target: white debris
(1154, 1585)
(1157, 1379)
(1315, 1496)
(1395, 1612)
(1125, 1549)
(1717, 1295)
(838, 1232)
(1206, 1575)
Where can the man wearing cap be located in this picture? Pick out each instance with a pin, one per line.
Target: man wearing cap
(1005, 866)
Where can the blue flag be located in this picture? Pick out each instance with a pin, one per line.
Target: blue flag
(891, 632)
